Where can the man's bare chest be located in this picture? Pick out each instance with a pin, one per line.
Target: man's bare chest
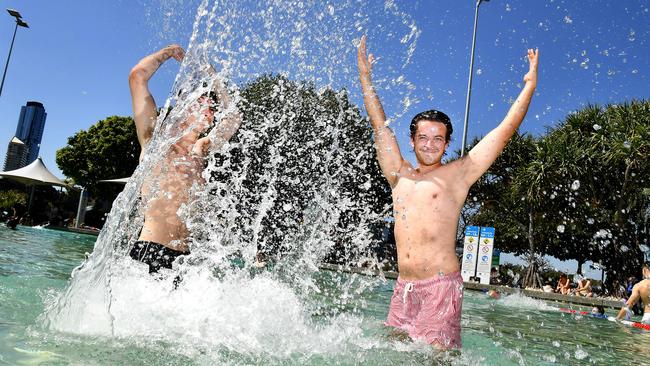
(409, 190)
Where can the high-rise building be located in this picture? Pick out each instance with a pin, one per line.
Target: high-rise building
(29, 131)
(16, 155)
(31, 124)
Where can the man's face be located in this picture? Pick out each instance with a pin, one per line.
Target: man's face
(429, 142)
(201, 114)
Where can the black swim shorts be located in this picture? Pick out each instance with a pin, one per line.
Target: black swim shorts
(155, 255)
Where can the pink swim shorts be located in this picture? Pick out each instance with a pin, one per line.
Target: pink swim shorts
(429, 310)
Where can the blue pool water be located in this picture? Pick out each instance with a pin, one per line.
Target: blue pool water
(35, 265)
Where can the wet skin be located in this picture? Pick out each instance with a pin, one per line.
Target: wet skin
(427, 198)
(426, 206)
(170, 182)
(168, 186)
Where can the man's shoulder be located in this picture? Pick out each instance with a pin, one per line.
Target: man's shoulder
(643, 283)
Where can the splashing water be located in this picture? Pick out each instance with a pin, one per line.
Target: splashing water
(520, 301)
(294, 187)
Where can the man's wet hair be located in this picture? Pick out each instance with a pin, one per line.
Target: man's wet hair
(432, 115)
(211, 95)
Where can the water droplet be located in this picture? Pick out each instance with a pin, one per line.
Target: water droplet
(560, 228)
(597, 127)
(627, 144)
(624, 248)
(590, 221)
(575, 185)
(632, 35)
(580, 354)
(556, 344)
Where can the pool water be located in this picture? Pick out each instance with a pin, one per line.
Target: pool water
(36, 263)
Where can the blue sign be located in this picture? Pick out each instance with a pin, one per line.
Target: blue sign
(473, 231)
(487, 232)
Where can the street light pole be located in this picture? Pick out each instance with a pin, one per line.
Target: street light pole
(469, 82)
(19, 22)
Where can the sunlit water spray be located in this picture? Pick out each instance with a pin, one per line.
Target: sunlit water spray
(297, 185)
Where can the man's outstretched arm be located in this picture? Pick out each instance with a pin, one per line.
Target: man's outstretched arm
(479, 159)
(388, 153)
(144, 106)
(628, 304)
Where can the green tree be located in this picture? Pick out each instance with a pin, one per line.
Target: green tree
(303, 152)
(12, 198)
(109, 149)
(605, 210)
(575, 193)
(510, 197)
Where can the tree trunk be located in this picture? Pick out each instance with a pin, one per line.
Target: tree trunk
(531, 241)
(531, 279)
(580, 263)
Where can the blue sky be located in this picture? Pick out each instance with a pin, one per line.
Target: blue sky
(75, 58)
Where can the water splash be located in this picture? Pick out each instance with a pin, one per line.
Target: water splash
(520, 301)
(294, 187)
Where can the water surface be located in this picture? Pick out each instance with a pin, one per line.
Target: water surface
(322, 329)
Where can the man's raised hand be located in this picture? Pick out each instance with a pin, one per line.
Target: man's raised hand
(174, 51)
(531, 76)
(364, 62)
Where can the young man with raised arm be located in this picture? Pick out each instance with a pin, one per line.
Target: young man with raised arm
(427, 199)
(168, 185)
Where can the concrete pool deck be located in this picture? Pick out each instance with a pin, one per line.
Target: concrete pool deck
(473, 286)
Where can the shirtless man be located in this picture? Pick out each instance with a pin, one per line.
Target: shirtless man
(584, 288)
(164, 235)
(427, 200)
(640, 291)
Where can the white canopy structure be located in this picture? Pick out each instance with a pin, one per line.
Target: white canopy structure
(34, 174)
(118, 180)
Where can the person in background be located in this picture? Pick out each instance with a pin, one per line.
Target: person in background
(584, 288)
(495, 279)
(598, 312)
(12, 221)
(638, 307)
(563, 285)
(640, 291)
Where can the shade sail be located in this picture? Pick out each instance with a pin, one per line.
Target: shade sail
(118, 180)
(34, 174)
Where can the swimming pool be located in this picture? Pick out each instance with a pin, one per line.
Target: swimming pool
(276, 328)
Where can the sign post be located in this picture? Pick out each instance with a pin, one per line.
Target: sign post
(470, 250)
(485, 247)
